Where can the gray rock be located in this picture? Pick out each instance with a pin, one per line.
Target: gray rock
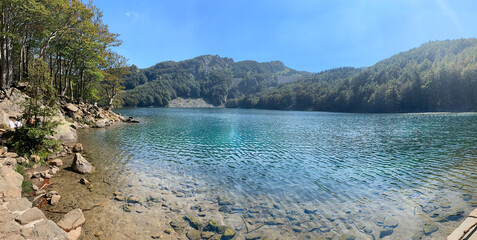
(78, 147)
(193, 234)
(65, 133)
(178, 225)
(4, 119)
(80, 165)
(84, 181)
(207, 235)
(10, 155)
(72, 220)
(53, 170)
(74, 234)
(22, 160)
(56, 162)
(10, 162)
(55, 199)
(194, 222)
(19, 204)
(429, 228)
(225, 209)
(102, 123)
(3, 149)
(385, 233)
(51, 194)
(71, 107)
(229, 233)
(46, 229)
(30, 215)
(35, 158)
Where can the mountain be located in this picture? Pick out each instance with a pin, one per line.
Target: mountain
(213, 78)
(437, 76)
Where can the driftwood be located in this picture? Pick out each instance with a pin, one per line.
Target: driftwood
(84, 210)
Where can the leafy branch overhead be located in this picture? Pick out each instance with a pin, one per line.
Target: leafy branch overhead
(60, 43)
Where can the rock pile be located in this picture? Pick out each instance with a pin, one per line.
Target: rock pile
(18, 219)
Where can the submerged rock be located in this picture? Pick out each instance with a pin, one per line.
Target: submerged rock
(72, 220)
(429, 228)
(178, 225)
(229, 233)
(194, 222)
(207, 235)
(385, 232)
(80, 165)
(225, 209)
(193, 234)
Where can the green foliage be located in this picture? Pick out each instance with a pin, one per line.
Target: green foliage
(27, 187)
(438, 76)
(30, 139)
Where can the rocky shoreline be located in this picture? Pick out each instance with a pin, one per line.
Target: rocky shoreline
(22, 196)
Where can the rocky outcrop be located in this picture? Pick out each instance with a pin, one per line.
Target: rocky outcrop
(18, 220)
(80, 165)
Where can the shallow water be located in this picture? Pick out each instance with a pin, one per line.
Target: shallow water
(294, 174)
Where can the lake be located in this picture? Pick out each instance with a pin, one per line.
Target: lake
(283, 174)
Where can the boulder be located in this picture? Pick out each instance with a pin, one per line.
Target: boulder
(11, 178)
(193, 234)
(35, 158)
(229, 233)
(10, 154)
(102, 123)
(20, 204)
(22, 160)
(78, 147)
(46, 229)
(4, 119)
(80, 165)
(30, 215)
(72, 220)
(11, 162)
(53, 170)
(65, 133)
(56, 162)
(71, 107)
(3, 150)
(88, 119)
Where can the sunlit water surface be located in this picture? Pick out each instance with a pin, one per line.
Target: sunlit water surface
(301, 173)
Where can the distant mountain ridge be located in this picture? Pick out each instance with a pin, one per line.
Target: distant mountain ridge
(212, 78)
(437, 76)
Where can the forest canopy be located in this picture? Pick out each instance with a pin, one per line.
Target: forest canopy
(60, 48)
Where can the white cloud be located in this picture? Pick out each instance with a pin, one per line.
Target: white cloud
(129, 14)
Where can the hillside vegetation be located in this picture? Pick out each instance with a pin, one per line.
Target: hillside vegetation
(212, 78)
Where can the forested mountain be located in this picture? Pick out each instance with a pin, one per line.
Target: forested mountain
(438, 76)
(210, 77)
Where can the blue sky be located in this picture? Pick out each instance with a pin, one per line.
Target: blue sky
(310, 35)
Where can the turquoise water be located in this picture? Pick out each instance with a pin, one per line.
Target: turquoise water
(315, 173)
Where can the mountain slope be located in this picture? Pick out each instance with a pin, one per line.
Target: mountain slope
(212, 78)
(437, 76)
